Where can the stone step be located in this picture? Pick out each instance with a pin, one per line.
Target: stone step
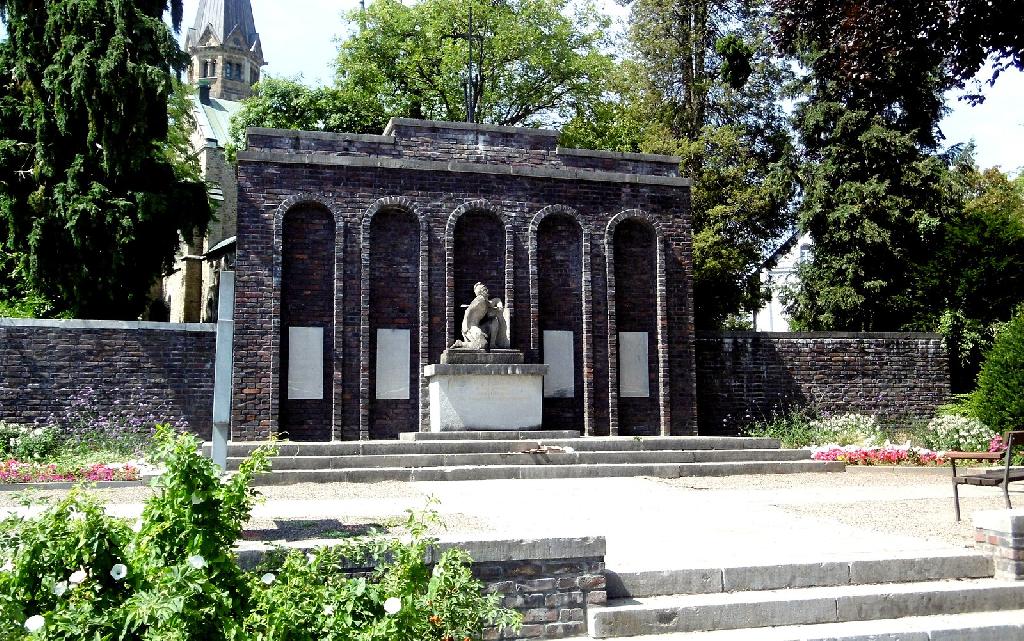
(856, 571)
(799, 606)
(582, 444)
(1004, 625)
(489, 472)
(489, 435)
(526, 458)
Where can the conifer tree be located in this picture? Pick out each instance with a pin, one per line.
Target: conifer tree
(93, 196)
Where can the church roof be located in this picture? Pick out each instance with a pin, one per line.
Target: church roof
(222, 17)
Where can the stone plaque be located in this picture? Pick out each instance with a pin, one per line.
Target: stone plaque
(559, 356)
(305, 363)
(393, 364)
(634, 374)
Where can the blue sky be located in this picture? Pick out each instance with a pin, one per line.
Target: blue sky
(299, 38)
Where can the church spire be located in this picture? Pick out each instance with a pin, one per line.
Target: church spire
(225, 48)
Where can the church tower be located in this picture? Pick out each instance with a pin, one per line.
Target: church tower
(225, 49)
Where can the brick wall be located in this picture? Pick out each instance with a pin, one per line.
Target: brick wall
(750, 375)
(479, 194)
(158, 369)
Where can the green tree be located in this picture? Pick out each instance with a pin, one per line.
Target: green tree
(998, 402)
(288, 104)
(702, 82)
(535, 61)
(91, 204)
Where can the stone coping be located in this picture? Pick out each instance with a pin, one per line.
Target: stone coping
(67, 485)
(512, 369)
(466, 126)
(77, 323)
(482, 550)
(706, 334)
(319, 135)
(618, 155)
(453, 166)
(1007, 521)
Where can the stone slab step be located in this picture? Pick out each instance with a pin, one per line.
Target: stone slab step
(1004, 625)
(489, 472)
(554, 457)
(800, 606)
(855, 571)
(588, 444)
(489, 435)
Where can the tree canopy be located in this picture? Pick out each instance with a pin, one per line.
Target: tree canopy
(535, 61)
(92, 201)
(702, 82)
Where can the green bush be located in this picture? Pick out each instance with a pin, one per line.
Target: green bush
(27, 443)
(800, 428)
(959, 433)
(998, 400)
(73, 572)
(792, 429)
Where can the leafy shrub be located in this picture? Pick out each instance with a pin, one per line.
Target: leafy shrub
(998, 400)
(959, 433)
(846, 429)
(27, 443)
(73, 572)
(792, 429)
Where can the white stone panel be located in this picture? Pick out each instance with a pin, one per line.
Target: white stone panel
(305, 363)
(559, 356)
(393, 364)
(634, 373)
(485, 397)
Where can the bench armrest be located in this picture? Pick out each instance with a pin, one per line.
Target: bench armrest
(978, 456)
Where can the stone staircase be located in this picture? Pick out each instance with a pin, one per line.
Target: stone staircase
(463, 456)
(938, 597)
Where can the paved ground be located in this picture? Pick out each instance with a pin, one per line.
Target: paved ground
(649, 523)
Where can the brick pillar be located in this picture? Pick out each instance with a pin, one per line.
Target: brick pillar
(1001, 534)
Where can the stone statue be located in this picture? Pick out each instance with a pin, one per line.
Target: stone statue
(485, 324)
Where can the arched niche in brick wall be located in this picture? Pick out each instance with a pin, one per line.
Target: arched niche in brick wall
(307, 336)
(393, 319)
(560, 317)
(478, 248)
(637, 326)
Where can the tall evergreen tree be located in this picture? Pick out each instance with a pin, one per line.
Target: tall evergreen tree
(92, 199)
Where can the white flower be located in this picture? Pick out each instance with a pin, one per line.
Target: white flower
(35, 623)
(197, 561)
(37, 431)
(328, 610)
(310, 557)
(119, 571)
(7, 567)
(77, 577)
(60, 587)
(267, 578)
(196, 499)
(137, 525)
(77, 516)
(393, 605)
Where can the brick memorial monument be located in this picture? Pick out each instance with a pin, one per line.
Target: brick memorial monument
(356, 253)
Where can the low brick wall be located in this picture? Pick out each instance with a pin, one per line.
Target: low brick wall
(744, 376)
(550, 581)
(146, 371)
(1001, 534)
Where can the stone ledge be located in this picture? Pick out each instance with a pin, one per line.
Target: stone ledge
(318, 135)
(618, 155)
(1004, 521)
(379, 162)
(486, 370)
(76, 323)
(710, 335)
(466, 126)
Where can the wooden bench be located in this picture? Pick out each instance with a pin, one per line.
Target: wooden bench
(989, 478)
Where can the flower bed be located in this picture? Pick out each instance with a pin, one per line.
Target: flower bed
(17, 472)
(887, 454)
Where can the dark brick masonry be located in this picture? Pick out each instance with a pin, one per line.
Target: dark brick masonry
(127, 369)
(479, 194)
(744, 375)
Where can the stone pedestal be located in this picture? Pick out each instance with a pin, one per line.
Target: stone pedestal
(469, 393)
